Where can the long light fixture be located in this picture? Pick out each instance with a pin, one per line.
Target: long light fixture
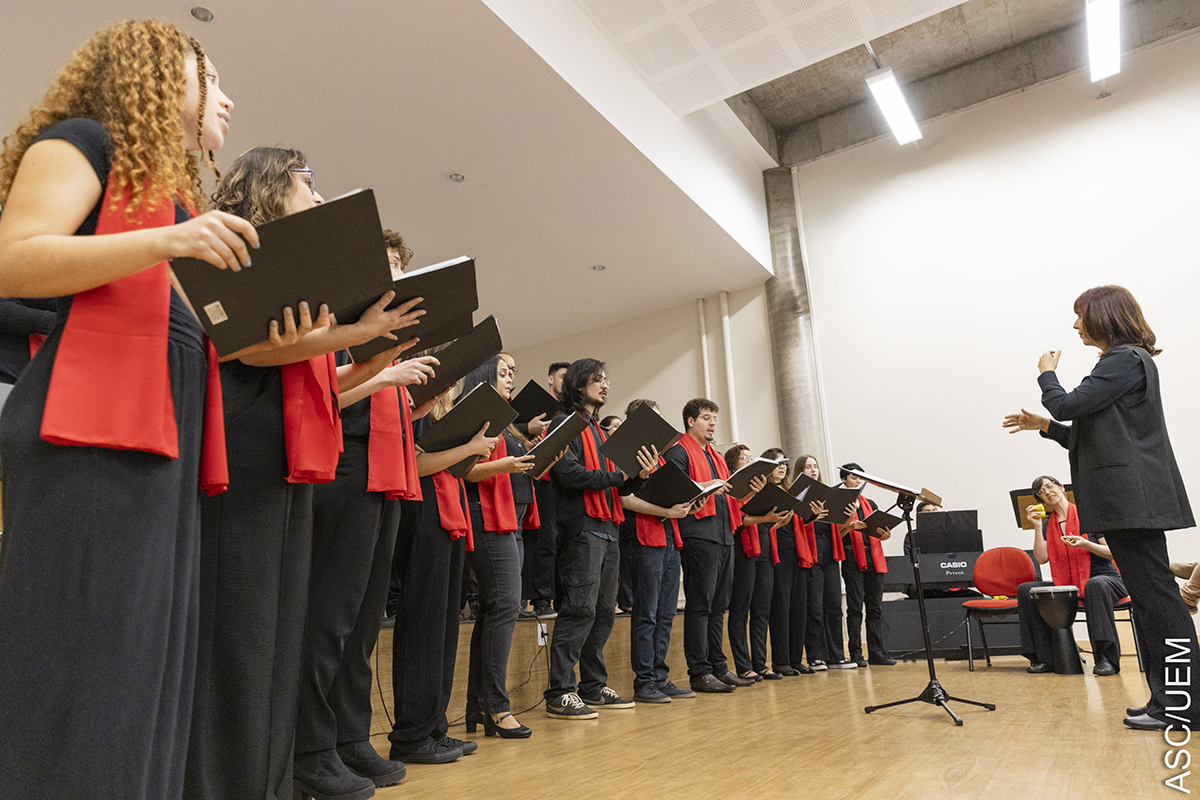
(1104, 37)
(886, 90)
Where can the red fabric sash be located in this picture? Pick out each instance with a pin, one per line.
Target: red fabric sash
(312, 425)
(452, 507)
(496, 496)
(35, 343)
(839, 549)
(865, 507)
(214, 468)
(1069, 566)
(651, 532)
(532, 520)
(699, 471)
(806, 542)
(385, 445)
(605, 504)
(110, 385)
(412, 478)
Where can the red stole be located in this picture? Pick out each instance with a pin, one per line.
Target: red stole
(698, 470)
(312, 423)
(865, 507)
(412, 478)
(532, 520)
(452, 507)
(496, 496)
(35, 342)
(385, 445)
(806, 542)
(1069, 566)
(110, 385)
(751, 545)
(606, 504)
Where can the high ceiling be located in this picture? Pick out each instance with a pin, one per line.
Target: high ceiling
(956, 36)
(397, 94)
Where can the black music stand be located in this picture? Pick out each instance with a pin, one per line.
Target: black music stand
(934, 694)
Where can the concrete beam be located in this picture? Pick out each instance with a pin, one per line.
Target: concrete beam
(1011, 70)
(760, 128)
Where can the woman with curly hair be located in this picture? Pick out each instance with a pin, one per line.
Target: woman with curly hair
(102, 435)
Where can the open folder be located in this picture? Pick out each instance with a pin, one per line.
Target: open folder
(332, 254)
(458, 359)
(773, 496)
(644, 427)
(740, 480)
(835, 499)
(669, 485)
(533, 401)
(552, 445)
(448, 297)
(483, 404)
(880, 519)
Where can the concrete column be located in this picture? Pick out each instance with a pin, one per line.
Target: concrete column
(793, 350)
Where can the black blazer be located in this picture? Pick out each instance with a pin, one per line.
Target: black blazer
(1122, 464)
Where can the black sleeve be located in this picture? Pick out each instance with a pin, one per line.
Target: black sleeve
(1117, 373)
(677, 456)
(1059, 433)
(89, 137)
(571, 473)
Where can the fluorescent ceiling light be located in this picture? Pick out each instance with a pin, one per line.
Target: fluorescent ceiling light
(1104, 37)
(886, 89)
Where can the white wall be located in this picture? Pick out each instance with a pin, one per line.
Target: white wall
(941, 272)
(658, 357)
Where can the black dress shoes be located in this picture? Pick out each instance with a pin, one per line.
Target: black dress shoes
(734, 680)
(321, 775)
(1038, 669)
(1145, 722)
(804, 669)
(881, 661)
(787, 671)
(1136, 711)
(1104, 667)
(362, 759)
(710, 685)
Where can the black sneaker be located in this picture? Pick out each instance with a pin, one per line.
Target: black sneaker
(362, 759)
(526, 613)
(466, 747)
(607, 699)
(428, 751)
(843, 664)
(860, 662)
(675, 693)
(322, 774)
(881, 661)
(569, 706)
(818, 666)
(542, 610)
(650, 694)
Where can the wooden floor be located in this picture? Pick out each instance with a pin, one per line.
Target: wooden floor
(1050, 737)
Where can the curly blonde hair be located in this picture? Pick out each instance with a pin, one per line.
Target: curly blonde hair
(258, 183)
(129, 78)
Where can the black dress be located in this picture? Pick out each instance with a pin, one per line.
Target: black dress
(98, 581)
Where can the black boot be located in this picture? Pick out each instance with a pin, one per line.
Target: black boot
(362, 759)
(321, 775)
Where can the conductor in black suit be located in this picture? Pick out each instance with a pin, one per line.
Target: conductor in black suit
(1127, 487)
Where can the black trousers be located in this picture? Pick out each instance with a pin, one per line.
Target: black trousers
(587, 566)
(1100, 594)
(824, 635)
(353, 539)
(707, 585)
(540, 546)
(1167, 635)
(628, 541)
(98, 600)
(753, 584)
(863, 587)
(496, 562)
(655, 597)
(789, 605)
(425, 639)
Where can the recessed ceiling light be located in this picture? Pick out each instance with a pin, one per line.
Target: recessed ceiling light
(598, 267)
(201, 13)
(457, 177)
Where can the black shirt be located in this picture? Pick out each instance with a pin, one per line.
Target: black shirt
(715, 528)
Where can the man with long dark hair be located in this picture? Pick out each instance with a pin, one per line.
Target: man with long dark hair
(587, 489)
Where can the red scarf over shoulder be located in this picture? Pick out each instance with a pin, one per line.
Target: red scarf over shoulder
(110, 385)
(751, 545)
(391, 457)
(806, 542)
(652, 532)
(1069, 566)
(312, 422)
(865, 507)
(496, 496)
(698, 470)
(604, 504)
(453, 515)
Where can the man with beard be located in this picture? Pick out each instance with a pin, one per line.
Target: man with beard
(587, 490)
(707, 552)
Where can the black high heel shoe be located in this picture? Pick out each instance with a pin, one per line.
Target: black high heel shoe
(475, 719)
(491, 728)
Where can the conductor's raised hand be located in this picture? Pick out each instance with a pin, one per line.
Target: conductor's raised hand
(214, 236)
(648, 461)
(1025, 421)
(1049, 361)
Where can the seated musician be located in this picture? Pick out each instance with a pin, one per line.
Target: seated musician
(1076, 559)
